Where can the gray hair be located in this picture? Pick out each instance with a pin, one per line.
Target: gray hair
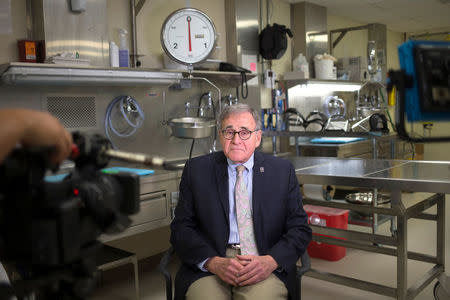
(239, 108)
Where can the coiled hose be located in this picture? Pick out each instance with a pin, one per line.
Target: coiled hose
(127, 106)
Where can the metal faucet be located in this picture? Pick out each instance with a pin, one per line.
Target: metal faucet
(201, 108)
(209, 99)
(187, 105)
(229, 99)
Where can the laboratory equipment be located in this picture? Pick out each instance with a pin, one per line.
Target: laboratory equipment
(423, 86)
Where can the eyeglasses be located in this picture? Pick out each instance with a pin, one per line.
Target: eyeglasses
(244, 134)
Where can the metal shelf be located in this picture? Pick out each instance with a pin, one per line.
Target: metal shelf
(293, 82)
(52, 74)
(330, 133)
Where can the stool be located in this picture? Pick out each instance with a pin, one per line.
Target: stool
(111, 257)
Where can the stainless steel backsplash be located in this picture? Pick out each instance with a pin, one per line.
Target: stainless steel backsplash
(84, 33)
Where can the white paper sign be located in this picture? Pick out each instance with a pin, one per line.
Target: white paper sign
(250, 62)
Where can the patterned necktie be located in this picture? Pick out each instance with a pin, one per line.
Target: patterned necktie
(244, 215)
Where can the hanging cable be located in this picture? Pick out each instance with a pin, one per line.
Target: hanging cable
(128, 108)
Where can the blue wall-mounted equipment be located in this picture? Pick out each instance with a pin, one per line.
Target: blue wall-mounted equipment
(428, 63)
(423, 86)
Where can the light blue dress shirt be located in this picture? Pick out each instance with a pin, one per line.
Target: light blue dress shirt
(248, 179)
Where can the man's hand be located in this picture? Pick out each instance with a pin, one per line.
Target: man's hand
(256, 268)
(42, 129)
(226, 268)
(33, 128)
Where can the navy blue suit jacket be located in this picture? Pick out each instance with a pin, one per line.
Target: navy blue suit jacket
(200, 228)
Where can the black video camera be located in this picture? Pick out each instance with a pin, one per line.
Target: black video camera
(49, 230)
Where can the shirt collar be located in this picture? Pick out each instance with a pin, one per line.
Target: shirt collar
(248, 164)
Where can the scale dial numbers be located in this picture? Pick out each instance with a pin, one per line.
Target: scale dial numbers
(188, 36)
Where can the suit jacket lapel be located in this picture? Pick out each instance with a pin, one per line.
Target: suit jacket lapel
(222, 182)
(258, 186)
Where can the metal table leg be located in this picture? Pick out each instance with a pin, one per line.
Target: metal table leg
(111, 257)
(402, 243)
(136, 276)
(440, 235)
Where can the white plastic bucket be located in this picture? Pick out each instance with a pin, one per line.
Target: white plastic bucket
(324, 69)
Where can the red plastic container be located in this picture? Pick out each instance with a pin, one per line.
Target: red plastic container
(329, 217)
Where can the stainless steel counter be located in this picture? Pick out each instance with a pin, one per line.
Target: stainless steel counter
(407, 175)
(396, 176)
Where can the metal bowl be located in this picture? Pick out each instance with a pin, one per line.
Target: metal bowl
(191, 127)
(366, 198)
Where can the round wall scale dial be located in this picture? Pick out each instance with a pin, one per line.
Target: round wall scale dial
(188, 36)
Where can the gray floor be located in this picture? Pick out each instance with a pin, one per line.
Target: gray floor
(359, 264)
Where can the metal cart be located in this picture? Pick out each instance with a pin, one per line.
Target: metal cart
(396, 176)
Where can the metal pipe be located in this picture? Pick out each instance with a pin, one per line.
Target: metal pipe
(133, 34)
(260, 29)
(219, 99)
(29, 20)
(212, 84)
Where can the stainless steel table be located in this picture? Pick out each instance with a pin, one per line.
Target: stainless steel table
(396, 176)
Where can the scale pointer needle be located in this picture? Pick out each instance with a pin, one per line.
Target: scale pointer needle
(189, 32)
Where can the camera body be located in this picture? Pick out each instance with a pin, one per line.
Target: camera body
(52, 227)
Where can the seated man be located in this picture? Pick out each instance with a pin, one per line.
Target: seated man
(239, 226)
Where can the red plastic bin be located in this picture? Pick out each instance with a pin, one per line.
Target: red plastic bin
(329, 217)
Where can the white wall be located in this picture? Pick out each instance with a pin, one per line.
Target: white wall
(354, 43)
